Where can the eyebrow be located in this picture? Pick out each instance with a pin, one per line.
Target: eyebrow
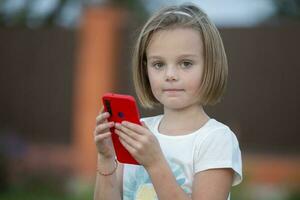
(181, 56)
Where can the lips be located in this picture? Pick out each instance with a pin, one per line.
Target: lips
(172, 90)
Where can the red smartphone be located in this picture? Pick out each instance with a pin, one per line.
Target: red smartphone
(121, 108)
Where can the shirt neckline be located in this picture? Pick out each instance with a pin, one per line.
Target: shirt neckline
(179, 136)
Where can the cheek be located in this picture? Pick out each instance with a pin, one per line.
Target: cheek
(192, 87)
(151, 75)
(154, 82)
(194, 82)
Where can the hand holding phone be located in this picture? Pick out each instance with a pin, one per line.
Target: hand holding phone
(121, 108)
(103, 135)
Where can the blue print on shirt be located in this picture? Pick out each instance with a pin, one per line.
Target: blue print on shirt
(138, 186)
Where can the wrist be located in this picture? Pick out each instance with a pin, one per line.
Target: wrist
(156, 166)
(108, 170)
(106, 165)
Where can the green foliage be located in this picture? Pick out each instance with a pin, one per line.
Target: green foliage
(294, 195)
(288, 8)
(43, 188)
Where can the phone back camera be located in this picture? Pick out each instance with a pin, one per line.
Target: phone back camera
(121, 114)
(107, 104)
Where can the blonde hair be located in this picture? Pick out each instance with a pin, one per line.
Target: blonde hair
(215, 70)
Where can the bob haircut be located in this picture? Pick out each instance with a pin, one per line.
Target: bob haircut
(215, 70)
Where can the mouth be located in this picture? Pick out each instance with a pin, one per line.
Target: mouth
(173, 90)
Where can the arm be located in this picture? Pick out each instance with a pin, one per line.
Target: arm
(108, 187)
(213, 184)
(164, 182)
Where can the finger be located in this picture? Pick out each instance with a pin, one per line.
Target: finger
(103, 136)
(102, 117)
(126, 138)
(103, 128)
(127, 131)
(134, 127)
(128, 147)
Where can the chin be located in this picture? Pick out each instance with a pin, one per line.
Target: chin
(173, 103)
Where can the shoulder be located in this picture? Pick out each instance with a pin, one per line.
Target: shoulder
(152, 120)
(217, 145)
(217, 125)
(218, 148)
(218, 132)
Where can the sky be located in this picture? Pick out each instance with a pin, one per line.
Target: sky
(227, 13)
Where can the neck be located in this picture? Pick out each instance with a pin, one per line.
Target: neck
(183, 117)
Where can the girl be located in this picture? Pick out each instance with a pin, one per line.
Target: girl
(179, 62)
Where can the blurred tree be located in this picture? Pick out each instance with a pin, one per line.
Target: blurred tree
(65, 13)
(288, 8)
(136, 6)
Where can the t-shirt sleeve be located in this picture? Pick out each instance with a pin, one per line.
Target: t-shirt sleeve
(220, 149)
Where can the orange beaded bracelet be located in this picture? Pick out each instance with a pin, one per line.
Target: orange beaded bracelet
(109, 173)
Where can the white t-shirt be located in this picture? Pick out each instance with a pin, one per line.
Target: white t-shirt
(214, 145)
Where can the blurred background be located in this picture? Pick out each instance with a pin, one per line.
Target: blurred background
(57, 58)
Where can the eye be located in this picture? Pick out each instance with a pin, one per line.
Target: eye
(186, 64)
(158, 65)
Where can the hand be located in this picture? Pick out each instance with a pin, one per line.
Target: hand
(102, 135)
(140, 143)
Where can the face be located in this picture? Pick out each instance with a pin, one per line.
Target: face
(175, 65)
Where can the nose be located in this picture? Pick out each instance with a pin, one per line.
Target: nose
(171, 74)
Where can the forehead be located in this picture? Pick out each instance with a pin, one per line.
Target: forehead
(175, 41)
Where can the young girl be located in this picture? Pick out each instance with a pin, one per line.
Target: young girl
(179, 62)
